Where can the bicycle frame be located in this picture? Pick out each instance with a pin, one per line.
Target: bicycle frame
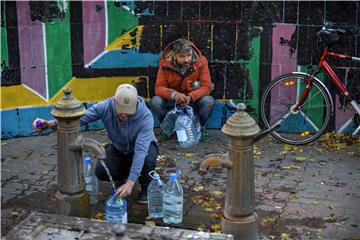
(323, 64)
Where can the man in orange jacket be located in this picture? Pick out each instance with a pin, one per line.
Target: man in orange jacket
(184, 78)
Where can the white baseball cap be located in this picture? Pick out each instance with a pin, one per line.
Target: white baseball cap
(126, 99)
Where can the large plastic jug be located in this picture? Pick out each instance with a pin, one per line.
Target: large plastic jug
(188, 129)
(155, 193)
(173, 201)
(91, 181)
(116, 209)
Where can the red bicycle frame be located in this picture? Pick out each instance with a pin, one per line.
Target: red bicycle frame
(334, 78)
(323, 64)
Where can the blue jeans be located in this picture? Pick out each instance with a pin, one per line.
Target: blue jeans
(203, 107)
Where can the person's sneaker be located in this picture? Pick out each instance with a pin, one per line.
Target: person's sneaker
(143, 197)
(204, 135)
(163, 136)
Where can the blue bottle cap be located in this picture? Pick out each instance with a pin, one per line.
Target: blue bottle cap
(87, 160)
(173, 176)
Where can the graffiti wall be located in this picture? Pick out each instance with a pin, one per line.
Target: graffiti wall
(93, 46)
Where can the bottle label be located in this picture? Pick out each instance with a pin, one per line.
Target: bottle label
(181, 135)
(124, 218)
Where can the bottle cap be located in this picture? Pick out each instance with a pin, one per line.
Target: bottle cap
(173, 176)
(87, 160)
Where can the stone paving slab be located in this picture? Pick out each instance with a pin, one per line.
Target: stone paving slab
(307, 192)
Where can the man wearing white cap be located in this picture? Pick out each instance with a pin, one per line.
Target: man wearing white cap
(133, 150)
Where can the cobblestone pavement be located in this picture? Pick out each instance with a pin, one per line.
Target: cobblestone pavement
(307, 192)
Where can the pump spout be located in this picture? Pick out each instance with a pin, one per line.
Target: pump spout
(93, 146)
(215, 160)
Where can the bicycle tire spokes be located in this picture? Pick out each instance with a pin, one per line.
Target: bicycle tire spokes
(297, 125)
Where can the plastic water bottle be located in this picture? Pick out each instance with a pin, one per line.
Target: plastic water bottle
(91, 181)
(168, 124)
(173, 201)
(188, 135)
(155, 196)
(116, 209)
(195, 123)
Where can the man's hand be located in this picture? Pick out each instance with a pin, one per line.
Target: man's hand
(40, 124)
(125, 189)
(182, 99)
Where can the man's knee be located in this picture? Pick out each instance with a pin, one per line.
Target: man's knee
(207, 102)
(156, 102)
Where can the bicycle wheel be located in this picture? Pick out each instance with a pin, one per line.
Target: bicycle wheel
(296, 127)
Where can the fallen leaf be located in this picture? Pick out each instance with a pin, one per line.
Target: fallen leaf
(329, 218)
(217, 193)
(208, 209)
(215, 227)
(285, 236)
(278, 174)
(331, 207)
(201, 227)
(150, 223)
(198, 187)
(215, 216)
(300, 158)
(189, 154)
(292, 167)
(261, 174)
(99, 216)
(316, 202)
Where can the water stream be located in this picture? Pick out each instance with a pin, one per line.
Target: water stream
(108, 173)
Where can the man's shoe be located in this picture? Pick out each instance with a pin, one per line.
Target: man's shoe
(163, 136)
(143, 199)
(204, 135)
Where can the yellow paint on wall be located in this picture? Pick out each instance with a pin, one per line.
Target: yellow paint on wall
(84, 89)
(126, 40)
(19, 96)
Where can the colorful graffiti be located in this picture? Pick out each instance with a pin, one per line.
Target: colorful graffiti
(92, 46)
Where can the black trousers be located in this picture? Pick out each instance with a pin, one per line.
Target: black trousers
(119, 165)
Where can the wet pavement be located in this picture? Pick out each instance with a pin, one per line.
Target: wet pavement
(308, 192)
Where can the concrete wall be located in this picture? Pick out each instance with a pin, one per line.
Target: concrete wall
(92, 46)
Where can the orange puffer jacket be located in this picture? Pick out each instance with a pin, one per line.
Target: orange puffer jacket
(169, 79)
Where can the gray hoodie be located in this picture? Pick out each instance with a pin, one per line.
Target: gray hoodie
(135, 135)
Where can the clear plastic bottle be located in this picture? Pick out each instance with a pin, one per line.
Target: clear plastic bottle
(91, 181)
(185, 129)
(168, 124)
(155, 193)
(116, 209)
(173, 201)
(195, 123)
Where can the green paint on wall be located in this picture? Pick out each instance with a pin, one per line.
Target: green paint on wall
(58, 53)
(4, 48)
(119, 21)
(253, 67)
(316, 115)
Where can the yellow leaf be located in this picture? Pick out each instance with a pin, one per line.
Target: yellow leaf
(300, 158)
(316, 202)
(217, 193)
(189, 154)
(285, 236)
(215, 227)
(329, 218)
(99, 216)
(215, 216)
(261, 174)
(150, 223)
(278, 174)
(294, 196)
(208, 209)
(270, 219)
(201, 227)
(198, 188)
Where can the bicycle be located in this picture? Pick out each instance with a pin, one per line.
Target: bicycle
(299, 103)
